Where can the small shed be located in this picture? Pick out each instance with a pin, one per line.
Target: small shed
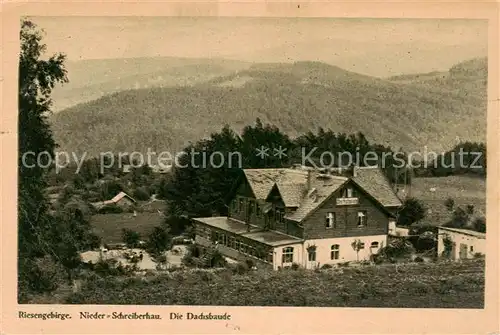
(461, 243)
(122, 200)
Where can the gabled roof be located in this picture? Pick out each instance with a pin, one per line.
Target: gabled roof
(114, 200)
(375, 183)
(307, 195)
(292, 194)
(321, 189)
(119, 197)
(262, 180)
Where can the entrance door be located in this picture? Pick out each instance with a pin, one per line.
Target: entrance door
(463, 251)
(453, 254)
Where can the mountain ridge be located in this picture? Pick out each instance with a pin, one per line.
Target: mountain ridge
(296, 97)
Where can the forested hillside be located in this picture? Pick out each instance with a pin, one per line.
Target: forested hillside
(403, 112)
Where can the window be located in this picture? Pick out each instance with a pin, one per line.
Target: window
(287, 256)
(257, 210)
(362, 218)
(311, 255)
(331, 221)
(361, 245)
(240, 205)
(335, 251)
(250, 207)
(471, 248)
(279, 215)
(270, 256)
(374, 245)
(237, 245)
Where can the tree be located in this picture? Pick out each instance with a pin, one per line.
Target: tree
(37, 78)
(110, 188)
(131, 238)
(449, 203)
(142, 193)
(158, 241)
(357, 245)
(459, 219)
(412, 211)
(479, 224)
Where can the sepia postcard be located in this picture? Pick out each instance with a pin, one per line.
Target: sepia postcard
(250, 167)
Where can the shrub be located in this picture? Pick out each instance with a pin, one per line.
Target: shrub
(326, 266)
(448, 246)
(111, 267)
(215, 259)
(478, 255)
(418, 259)
(479, 224)
(240, 268)
(249, 263)
(40, 275)
(131, 238)
(110, 209)
(142, 193)
(110, 188)
(295, 266)
(397, 248)
(377, 258)
(449, 203)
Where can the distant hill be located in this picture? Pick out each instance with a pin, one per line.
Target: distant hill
(406, 111)
(92, 79)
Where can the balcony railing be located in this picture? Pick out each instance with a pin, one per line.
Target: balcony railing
(347, 201)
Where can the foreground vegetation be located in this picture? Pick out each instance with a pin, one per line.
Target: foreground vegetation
(431, 285)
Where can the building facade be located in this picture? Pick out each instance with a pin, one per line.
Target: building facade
(283, 216)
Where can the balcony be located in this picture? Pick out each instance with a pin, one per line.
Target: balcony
(347, 201)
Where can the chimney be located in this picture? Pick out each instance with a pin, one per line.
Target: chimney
(351, 171)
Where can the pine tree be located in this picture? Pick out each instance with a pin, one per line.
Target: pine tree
(37, 78)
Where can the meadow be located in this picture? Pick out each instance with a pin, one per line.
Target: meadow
(412, 285)
(464, 190)
(109, 226)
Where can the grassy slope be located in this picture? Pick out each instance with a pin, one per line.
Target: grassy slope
(464, 190)
(433, 285)
(109, 226)
(296, 97)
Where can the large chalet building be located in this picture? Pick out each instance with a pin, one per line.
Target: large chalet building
(305, 216)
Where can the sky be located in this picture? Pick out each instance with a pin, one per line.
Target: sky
(377, 47)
